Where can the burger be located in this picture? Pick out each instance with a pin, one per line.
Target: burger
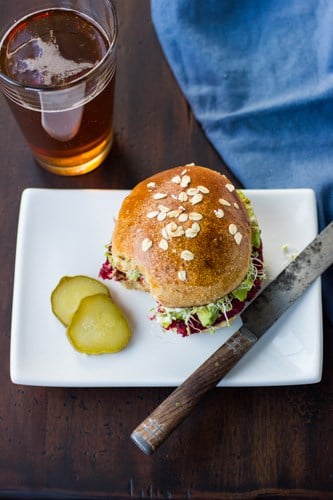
(191, 240)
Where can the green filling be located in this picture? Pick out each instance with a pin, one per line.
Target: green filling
(132, 275)
(253, 220)
(109, 256)
(209, 313)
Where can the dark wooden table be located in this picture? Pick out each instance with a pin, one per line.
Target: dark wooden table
(74, 443)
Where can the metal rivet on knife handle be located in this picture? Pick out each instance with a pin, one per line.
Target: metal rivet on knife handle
(257, 319)
(151, 433)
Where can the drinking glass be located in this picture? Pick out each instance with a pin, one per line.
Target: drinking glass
(57, 73)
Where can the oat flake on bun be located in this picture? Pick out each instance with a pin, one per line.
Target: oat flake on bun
(191, 240)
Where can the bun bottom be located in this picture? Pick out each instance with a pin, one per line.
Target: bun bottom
(186, 330)
(193, 325)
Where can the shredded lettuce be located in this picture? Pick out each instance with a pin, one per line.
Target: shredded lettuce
(241, 292)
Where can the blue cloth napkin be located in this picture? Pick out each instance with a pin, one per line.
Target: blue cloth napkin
(258, 75)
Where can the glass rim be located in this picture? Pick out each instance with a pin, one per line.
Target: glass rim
(47, 89)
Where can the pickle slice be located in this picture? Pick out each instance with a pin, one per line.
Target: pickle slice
(98, 326)
(69, 292)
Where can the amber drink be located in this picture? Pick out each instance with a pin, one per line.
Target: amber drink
(57, 72)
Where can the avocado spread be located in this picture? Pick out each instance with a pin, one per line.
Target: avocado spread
(209, 313)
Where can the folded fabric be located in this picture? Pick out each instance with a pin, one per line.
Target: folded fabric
(258, 75)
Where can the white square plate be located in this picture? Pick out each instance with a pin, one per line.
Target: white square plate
(64, 232)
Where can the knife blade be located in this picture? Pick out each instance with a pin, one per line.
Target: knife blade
(257, 319)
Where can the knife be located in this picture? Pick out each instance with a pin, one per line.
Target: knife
(259, 316)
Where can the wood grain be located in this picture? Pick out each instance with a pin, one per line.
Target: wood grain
(155, 429)
(240, 443)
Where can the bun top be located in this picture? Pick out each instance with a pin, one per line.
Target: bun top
(187, 232)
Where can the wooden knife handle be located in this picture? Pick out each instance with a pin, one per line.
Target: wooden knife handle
(154, 430)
